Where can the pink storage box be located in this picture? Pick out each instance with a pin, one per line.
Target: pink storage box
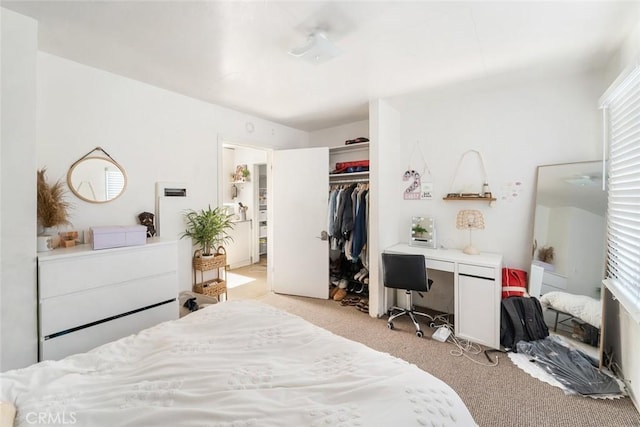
(118, 236)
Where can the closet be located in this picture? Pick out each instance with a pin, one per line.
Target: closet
(347, 224)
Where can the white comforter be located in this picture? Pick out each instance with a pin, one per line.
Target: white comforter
(581, 306)
(237, 363)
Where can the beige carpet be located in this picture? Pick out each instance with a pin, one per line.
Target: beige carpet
(496, 396)
(502, 395)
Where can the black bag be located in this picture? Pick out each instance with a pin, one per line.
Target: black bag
(521, 319)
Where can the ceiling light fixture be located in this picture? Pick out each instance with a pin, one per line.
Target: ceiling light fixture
(583, 180)
(317, 50)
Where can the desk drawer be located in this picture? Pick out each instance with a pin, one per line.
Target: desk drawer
(440, 265)
(476, 270)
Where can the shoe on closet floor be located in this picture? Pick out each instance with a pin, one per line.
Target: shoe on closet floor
(340, 294)
(332, 291)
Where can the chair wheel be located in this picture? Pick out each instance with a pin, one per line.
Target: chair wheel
(419, 334)
(432, 325)
(390, 325)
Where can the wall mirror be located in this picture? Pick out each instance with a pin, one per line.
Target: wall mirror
(570, 217)
(97, 178)
(423, 232)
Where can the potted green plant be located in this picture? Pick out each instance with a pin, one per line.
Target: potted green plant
(209, 228)
(419, 230)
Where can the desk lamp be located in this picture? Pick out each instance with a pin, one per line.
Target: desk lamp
(470, 219)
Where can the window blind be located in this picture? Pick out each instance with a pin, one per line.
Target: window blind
(622, 117)
(115, 183)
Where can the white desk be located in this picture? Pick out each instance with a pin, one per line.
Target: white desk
(477, 289)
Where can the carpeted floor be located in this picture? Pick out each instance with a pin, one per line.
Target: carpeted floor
(496, 396)
(502, 395)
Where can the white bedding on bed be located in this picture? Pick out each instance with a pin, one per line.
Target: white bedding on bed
(581, 306)
(237, 363)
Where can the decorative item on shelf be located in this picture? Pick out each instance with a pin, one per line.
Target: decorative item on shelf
(484, 194)
(146, 219)
(470, 219)
(208, 228)
(545, 254)
(68, 238)
(242, 210)
(52, 211)
(241, 174)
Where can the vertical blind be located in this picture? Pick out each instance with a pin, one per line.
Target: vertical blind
(622, 117)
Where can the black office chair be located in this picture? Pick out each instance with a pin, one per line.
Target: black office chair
(408, 272)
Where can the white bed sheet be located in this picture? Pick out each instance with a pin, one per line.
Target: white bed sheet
(237, 363)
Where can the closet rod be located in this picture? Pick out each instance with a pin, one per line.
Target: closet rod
(348, 181)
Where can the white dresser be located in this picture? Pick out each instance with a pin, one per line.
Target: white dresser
(90, 297)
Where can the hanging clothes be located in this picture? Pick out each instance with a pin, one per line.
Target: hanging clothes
(360, 226)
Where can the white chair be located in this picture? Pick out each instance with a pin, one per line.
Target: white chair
(535, 281)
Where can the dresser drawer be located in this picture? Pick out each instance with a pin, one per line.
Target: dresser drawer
(440, 265)
(477, 271)
(88, 338)
(64, 312)
(94, 269)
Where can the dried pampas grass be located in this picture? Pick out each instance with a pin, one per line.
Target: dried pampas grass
(52, 208)
(545, 254)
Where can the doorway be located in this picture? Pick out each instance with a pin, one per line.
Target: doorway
(243, 190)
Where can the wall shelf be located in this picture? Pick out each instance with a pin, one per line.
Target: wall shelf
(470, 199)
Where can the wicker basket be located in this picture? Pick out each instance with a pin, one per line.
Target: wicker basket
(219, 260)
(212, 288)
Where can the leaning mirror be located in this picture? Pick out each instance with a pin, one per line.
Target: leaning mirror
(422, 232)
(569, 240)
(96, 178)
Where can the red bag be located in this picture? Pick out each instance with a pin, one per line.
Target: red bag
(514, 282)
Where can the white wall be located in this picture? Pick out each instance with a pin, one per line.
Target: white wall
(156, 135)
(517, 123)
(336, 136)
(384, 203)
(18, 330)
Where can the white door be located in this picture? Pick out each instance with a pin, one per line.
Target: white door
(300, 257)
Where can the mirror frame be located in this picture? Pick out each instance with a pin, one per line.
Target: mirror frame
(572, 171)
(109, 159)
(428, 241)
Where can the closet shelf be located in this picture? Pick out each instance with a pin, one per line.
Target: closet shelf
(351, 147)
(347, 175)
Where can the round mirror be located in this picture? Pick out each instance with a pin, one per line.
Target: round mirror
(96, 179)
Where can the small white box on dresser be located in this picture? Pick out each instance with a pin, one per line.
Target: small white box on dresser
(118, 236)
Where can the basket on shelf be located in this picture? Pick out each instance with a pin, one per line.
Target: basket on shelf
(218, 260)
(212, 288)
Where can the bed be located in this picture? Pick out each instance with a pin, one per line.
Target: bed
(238, 363)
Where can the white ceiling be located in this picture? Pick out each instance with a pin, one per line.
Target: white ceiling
(554, 189)
(235, 53)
